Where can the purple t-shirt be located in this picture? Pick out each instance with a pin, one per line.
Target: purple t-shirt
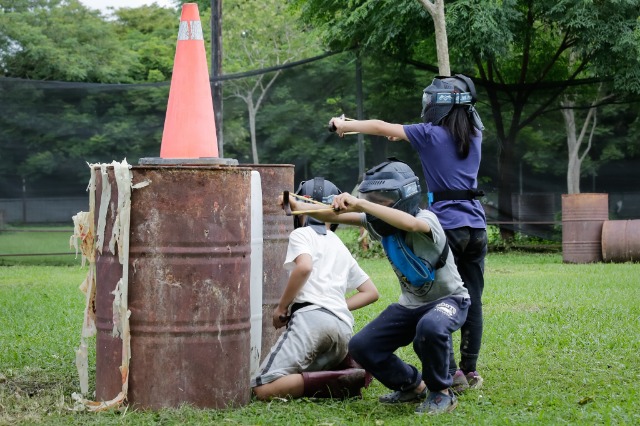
(443, 169)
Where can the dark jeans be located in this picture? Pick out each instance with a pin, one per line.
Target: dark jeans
(429, 327)
(469, 248)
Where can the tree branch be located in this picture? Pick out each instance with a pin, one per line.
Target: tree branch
(431, 7)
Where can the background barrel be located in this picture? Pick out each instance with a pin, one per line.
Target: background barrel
(582, 218)
(189, 280)
(275, 179)
(621, 241)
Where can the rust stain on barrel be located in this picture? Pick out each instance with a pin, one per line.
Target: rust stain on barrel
(621, 240)
(582, 219)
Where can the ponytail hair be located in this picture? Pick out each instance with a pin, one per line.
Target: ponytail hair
(459, 125)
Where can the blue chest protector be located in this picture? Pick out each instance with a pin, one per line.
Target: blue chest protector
(417, 271)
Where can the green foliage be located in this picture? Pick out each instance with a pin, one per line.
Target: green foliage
(394, 27)
(512, 48)
(521, 242)
(360, 245)
(60, 142)
(150, 33)
(257, 35)
(61, 41)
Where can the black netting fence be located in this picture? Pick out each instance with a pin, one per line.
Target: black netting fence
(49, 131)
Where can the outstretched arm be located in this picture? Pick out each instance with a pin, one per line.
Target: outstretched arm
(370, 127)
(346, 203)
(323, 215)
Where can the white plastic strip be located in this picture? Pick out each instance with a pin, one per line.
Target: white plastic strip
(119, 236)
(256, 271)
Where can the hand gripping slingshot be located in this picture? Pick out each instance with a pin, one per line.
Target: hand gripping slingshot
(287, 206)
(332, 127)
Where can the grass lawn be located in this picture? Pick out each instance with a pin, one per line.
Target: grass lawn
(560, 347)
(30, 242)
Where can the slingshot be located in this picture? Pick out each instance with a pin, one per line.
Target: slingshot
(287, 206)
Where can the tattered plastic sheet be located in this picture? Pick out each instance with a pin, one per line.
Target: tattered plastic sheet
(92, 240)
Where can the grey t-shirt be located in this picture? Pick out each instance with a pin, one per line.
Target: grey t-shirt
(447, 281)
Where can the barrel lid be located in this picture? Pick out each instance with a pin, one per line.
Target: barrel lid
(201, 161)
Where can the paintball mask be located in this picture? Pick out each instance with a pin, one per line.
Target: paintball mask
(439, 98)
(392, 184)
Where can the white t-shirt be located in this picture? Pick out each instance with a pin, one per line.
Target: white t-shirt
(335, 272)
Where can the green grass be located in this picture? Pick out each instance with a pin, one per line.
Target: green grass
(35, 240)
(560, 347)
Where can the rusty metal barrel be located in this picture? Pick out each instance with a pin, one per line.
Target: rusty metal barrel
(582, 218)
(189, 283)
(276, 229)
(621, 240)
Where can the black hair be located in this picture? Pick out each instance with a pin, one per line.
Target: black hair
(459, 125)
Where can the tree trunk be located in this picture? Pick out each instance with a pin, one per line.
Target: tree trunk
(574, 142)
(252, 131)
(574, 164)
(436, 10)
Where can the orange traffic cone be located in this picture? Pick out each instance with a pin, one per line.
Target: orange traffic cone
(189, 126)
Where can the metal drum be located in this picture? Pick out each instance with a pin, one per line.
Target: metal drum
(189, 280)
(582, 218)
(621, 241)
(275, 178)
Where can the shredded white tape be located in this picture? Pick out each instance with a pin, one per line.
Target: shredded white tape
(92, 240)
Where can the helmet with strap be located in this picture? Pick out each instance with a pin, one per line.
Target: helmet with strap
(439, 98)
(318, 189)
(393, 184)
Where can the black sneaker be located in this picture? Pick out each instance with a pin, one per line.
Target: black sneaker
(400, 397)
(438, 403)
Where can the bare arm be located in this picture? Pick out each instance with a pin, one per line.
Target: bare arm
(367, 294)
(392, 131)
(345, 203)
(324, 216)
(297, 279)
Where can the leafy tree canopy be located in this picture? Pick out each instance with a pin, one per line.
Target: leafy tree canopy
(44, 40)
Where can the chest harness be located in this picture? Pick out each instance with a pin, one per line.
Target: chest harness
(416, 270)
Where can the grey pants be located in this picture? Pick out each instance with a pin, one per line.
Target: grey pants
(314, 340)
